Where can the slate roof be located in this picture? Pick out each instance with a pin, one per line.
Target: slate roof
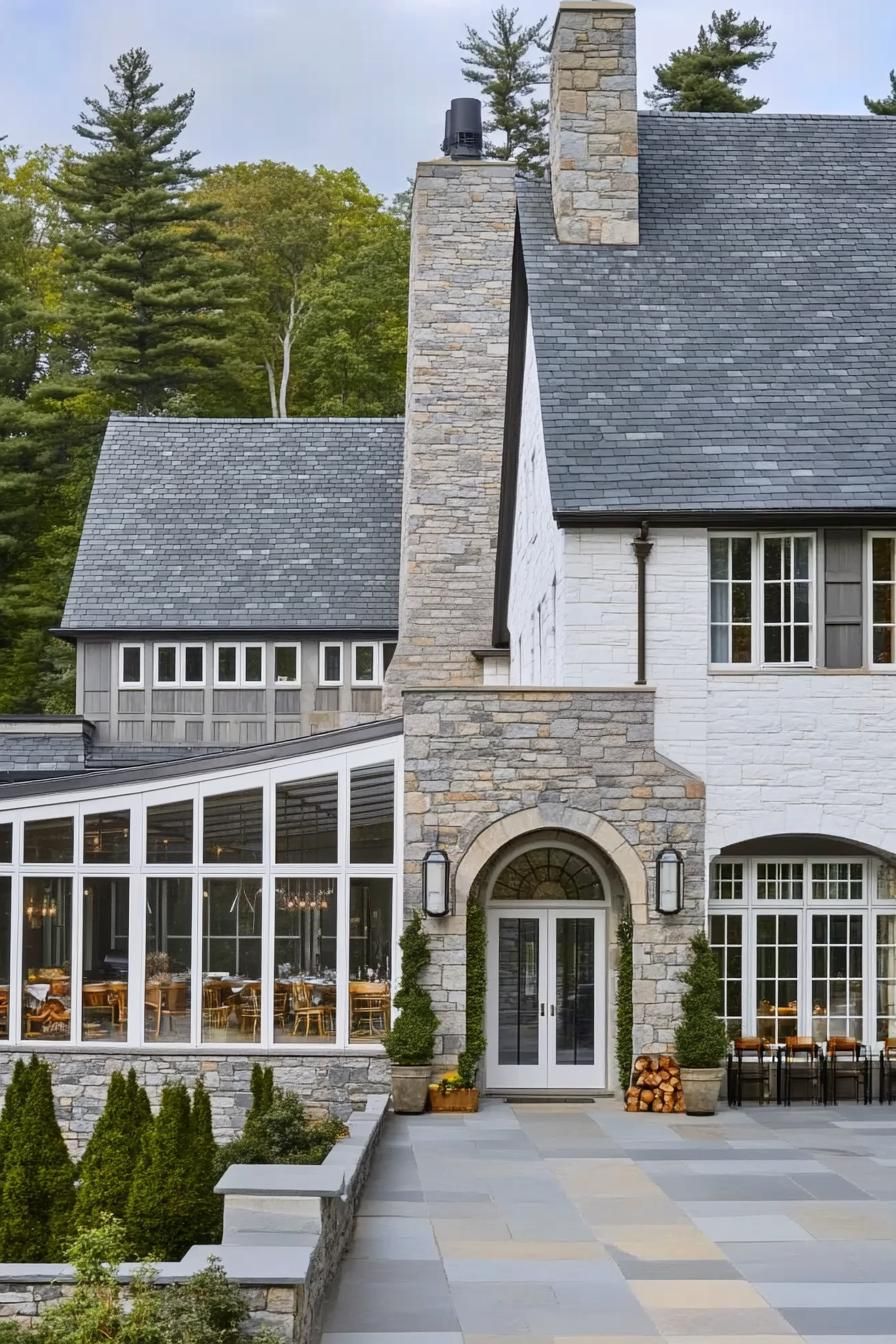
(744, 355)
(241, 525)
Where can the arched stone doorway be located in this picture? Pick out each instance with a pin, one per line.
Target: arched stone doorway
(552, 900)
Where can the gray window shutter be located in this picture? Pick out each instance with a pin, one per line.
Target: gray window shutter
(843, 638)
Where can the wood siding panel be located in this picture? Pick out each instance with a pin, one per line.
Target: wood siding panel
(843, 598)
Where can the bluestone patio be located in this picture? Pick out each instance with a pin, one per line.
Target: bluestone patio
(577, 1223)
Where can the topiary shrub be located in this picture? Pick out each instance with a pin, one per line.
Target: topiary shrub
(474, 1047)
(207, 1207)
(700, 1038)
(413, 1037)
(282, 1133)
(111, 1156)
(38, 1191)
(624, 1002)
(159, 1219)
(261, 1086)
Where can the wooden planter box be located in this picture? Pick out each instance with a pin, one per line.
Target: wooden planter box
(459, 1099)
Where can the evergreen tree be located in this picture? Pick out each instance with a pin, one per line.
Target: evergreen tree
(38, 1192)
(207, 1207)
(700, 1038)
(150, 286)
(13, 1105)
(412, 1038)
(707, 77)
(159, 1213)
(110, 1158)
(261, 1085)
(502, 64)
(886, 106)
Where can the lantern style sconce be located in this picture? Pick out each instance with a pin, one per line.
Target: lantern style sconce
(669, 881)
(436, 867)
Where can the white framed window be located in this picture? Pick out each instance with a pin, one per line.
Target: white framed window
(731, 599)
(252, 663)
(287, 664)
(838, 881)
(788, 595)
(227, 665)
(130, 666)
(779, 881)
(366, 664)
(166, 664)
(881, 618)
(331, 664)
(193, 664)
(726, 940)
(728, 882)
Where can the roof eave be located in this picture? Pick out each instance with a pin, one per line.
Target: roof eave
(730, 517)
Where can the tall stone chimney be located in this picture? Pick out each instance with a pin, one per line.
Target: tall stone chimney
(462, 228)
(594, 123)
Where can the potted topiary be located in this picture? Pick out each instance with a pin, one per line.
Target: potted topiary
(700, 1038)
(411, 1043)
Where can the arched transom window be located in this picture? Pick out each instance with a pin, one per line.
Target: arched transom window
(547, 873)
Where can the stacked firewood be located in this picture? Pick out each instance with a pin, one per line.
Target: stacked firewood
(656, 1086)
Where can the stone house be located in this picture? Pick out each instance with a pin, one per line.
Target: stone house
(645, 620)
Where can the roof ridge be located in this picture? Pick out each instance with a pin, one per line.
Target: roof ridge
(757, 118)
(256, 420)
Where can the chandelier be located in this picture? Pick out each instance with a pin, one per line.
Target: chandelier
(36, 912)
(290, 900)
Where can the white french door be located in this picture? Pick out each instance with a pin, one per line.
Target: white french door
(546, 1011)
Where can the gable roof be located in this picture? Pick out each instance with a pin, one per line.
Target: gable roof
(743, 356)
(241, 525)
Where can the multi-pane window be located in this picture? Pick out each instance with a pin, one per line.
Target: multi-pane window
(886, 977)
(837, 975)
(779, 881)
(786, 599)
(47, 958)
(837, 881)
(883, 606)
(726, 941)
(239, 665)
(777, 976)
(731, 599)
(728, 882)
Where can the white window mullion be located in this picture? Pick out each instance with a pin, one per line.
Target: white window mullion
(136, 927)
(16, 920)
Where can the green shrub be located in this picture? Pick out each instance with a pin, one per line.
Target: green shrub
(13, 1105)
(700, 1039)
(624, 1003)
(281, 1134)
(159, 1219)
(207, 1207)
(38, 1191)
(111, 1156)
(474, 1047)
(262, 1089)
(413, 1037)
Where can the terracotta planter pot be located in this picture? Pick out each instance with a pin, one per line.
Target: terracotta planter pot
(464, 1099)
(410, 1087)
(701, 1090)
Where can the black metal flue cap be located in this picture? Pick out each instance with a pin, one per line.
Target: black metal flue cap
(463, 129)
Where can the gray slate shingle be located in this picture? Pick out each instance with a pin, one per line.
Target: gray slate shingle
(744, 355)
(251, 524)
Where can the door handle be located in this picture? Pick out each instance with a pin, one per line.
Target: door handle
(541, 1010)
(552, 1010)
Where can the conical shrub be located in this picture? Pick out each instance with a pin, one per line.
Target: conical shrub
(700, 1038)
(13, 1104)
(207, 1207)
(111, 1156)
(261, 1086)
(158, 1218)
(38, 1191)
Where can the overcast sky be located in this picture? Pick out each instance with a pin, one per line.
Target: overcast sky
(364, 83)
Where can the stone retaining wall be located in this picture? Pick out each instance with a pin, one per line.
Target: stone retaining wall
(333, 1083)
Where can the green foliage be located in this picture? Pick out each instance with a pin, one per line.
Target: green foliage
(700, 1038)
(707, 77)
(412, 1038)
(207, 1207)
(38, 1190)
(624, 1008)
(160, 1213)
(13, 1106)
(206, 1309)
(886, 106)
(261, 1086)
(281, 1133)
(110, 1158)
(502, 64)
(471, 1056)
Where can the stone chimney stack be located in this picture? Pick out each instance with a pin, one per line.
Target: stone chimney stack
(594, 123)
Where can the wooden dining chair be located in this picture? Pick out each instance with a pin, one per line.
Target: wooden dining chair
(844, 1061)
(250, 1012)
(307, 1013)
(215, 1012)
(369, 1008)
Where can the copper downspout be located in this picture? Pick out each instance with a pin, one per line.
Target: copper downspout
(642, 547)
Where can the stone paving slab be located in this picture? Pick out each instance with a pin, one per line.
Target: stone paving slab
(551, 1224)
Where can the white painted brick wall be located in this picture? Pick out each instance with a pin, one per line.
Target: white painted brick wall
(536, 577)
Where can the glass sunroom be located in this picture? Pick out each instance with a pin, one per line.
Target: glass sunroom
(245, 902)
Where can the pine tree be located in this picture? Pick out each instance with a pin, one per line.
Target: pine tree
(110, 1158)
(207, 1207)
(501, 63)
(13, 1105)
(38, 1192)
(886, 106)
(149, 282)
(261, 1085)
(159, 1216)
(706, 77)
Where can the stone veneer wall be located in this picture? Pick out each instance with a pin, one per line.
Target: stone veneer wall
(478, 755)
(335, 1083)
(594, 123)
(459, 305)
